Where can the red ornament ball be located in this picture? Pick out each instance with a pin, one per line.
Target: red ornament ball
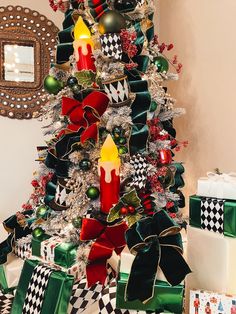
(131, 209)
(123, 211)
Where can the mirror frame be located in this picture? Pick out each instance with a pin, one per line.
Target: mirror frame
(18, 25)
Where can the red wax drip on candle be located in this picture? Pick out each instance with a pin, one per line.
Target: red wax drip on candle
(86, 62)
(109, 191)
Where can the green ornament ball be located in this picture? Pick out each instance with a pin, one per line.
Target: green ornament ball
(37, 232)
(122, 140)
(77, 222)
(161, 63)
(85, 164)
(52, 85)
(41, 211)
(111, 22)
(93, 192)
(122, 150)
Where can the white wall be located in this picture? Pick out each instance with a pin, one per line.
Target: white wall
(203, 33)
(19, 140)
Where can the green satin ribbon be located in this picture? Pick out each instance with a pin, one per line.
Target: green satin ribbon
(3, 282)
(139, 107)
(16, 231)
(166, 297)
(178, 180)
(57, 294)
(61, 166)
(156, 241)
(65, 46)
(64, 253)
(50, 192)
(229, 224)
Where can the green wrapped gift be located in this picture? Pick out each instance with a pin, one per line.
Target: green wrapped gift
(10, 273)
(52, 249)
(54, 290)
(167, 299)
(213, 214)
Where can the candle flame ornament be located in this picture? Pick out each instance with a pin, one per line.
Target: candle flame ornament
(109, 172)
(83, 46)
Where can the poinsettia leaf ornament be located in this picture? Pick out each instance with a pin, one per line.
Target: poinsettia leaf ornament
(131, 198)
(86, 78)
(126, 208)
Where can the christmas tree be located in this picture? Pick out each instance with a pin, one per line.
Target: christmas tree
(107, 177)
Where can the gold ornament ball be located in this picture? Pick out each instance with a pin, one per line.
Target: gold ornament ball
(111, 22)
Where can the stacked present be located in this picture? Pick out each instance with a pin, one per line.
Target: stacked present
(10, 273)
(210, 302)
(212, 235)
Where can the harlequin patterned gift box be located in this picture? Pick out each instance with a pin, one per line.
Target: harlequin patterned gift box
(217, 215)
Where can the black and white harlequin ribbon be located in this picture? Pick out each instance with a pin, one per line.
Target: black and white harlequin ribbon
(82, 297)
(212, 214)
(36, 290)
(111, 45)
(6, 303)
(141, 167)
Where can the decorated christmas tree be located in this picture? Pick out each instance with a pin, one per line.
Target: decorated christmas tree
(107, 178)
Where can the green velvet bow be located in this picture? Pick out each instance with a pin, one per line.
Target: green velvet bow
(157, 242)
(16, 231)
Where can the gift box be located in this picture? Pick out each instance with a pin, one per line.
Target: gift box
(215, 215)
(202, 302)
(54, 250)
(22, 247)
(42, 290)
(10, 273)
(166, 298)
(212, 259)
(217, 186)
(111, 45)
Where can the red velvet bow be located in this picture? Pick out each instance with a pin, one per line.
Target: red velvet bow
(85, 114)
(108, 238)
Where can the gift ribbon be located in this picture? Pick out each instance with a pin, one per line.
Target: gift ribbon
(166, 298)
(157, 242)
(57, 294)
(85, 114)
(223, 177)
(108, 239)
(229, 224)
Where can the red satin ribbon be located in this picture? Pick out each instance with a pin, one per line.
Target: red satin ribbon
(108, 238)
(85, 114)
